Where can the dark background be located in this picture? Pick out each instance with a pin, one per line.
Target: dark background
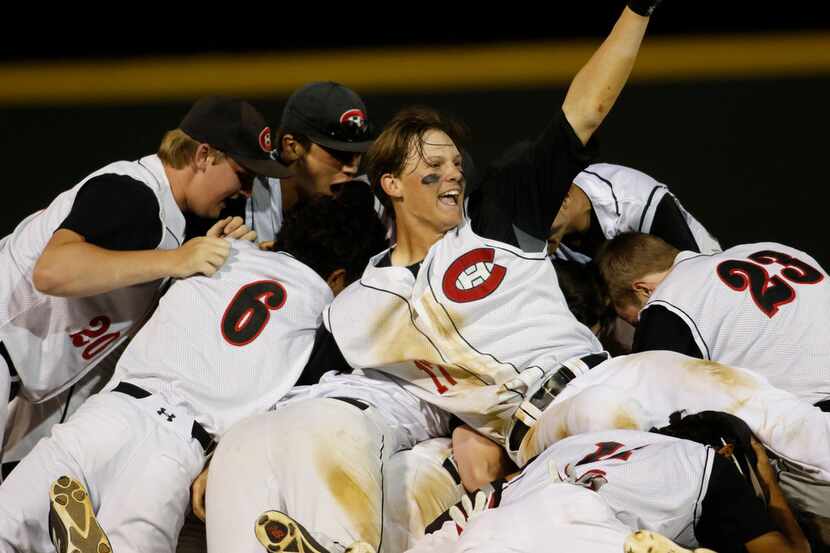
(744, 155)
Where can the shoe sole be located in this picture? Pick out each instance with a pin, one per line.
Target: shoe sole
(644, 541)
(279, 533)
(72, 524)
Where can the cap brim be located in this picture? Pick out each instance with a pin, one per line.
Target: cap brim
(340, 146)
(265, 167)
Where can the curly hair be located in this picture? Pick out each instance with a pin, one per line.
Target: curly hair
(583, 292)
(330, 233)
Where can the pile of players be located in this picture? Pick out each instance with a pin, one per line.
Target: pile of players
(310, 385)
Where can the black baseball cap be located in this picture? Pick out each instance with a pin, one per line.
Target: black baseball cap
(237, 129)
(330, 115)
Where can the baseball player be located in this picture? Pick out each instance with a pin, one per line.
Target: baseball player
(764, 306)
(216, 350)
(432, 322)
(79, 275)
(606, 200)
(678, 488)
(323, 134)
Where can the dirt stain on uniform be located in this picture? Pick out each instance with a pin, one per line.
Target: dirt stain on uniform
(624, 420)
(350, 492)
(530, 448)
(434, 491)
(721, 373)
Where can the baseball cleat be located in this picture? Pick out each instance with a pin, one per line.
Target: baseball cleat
(643, 541)
(72, 524)
(278, 532)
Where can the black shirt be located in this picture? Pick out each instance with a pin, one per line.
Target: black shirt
(732, 514)
(526, 187)
(661, 329)
(670, 225)
(116, 212)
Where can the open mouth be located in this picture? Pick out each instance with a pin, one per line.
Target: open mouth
(450, 198)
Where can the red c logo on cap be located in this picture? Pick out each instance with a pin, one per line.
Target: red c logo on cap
(265, 140)
(354, 117)
(473, 276)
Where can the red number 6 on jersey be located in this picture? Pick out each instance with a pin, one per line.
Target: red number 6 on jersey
(250, 310)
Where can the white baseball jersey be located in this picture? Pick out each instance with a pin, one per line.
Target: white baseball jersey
(263, 210)
(230, 345)
(626, 200)
(554, 518)
(653, 482)
(481, 327)
(53, 341)
(764, 306)
(641, 391)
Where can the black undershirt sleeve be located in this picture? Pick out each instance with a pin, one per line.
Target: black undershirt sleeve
(670, 225)
(116, 212)
(660, 329)
(732, 514)
(527, 185)
(325, 356)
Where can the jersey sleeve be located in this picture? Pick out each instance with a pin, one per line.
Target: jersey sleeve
(732, 514)
(325, 356)
(670, 225)
(116, 212)
(661, 329)
(527, 185)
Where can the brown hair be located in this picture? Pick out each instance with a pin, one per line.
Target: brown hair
(629, 257)
(390, 151)
(177, 149)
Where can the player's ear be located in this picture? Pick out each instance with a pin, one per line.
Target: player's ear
(391, 185)
(643, 289)
(203, 157)
(337, 280)
(290, 149)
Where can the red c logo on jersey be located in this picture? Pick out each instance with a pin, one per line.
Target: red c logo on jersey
(265, 140)
(469, 278)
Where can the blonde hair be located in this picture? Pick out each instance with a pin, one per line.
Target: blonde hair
(629, 257)
(177, 150)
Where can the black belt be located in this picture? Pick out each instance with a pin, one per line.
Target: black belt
(352, 401)
(824, 405)
(547, 392)
(197, 432)
(15, 378)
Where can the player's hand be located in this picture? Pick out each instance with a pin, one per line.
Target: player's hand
(203, 254)
(468, 510)
(197, 494)
(268, 245)
(232, 227)
(765, 470)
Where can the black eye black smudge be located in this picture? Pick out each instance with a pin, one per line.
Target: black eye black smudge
(430, 179)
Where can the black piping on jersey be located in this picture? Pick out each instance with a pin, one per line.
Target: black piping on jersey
(490, 355)
(68, 399)
(382, 488)
(700, 492)
(411, 317)
(161, 187)
(521, 475)
(611, 186)
(502, 248)
(694, 324)
(695, 257)
(648, 203)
